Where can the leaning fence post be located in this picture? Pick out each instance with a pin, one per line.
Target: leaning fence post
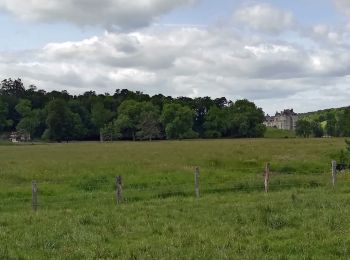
(196, 182)
(267, 177)
(119, 189)
(334, 172)
(34, 195)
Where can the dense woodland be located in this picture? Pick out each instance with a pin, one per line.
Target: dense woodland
(126, 115)
(332, 122)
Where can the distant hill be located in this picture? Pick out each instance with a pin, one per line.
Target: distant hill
(320, 115)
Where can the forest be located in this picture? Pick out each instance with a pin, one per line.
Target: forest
(333, 122)
(125, 115)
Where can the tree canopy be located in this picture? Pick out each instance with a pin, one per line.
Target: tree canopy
(128, 115)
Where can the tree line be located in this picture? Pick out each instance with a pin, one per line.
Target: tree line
(331, 122)
(125, 115)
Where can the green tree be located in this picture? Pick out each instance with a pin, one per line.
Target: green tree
(24, 107)
(149, 125)
(137, 119)
(100, 116)
(128, 118)
(11, 87)
(331, 126)
(30, 119)
(4, 121)
(245, 119)
(90, 113)
(344, 122)
(87, 126)
(303, 128)
(178, 121)
(78, 130)
(63, 124)
(201, 107)
(110, 131)
(344, 154)
(215, 124)
(317, 129)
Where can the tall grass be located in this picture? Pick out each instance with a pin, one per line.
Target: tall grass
(301, 217)
(272, 132)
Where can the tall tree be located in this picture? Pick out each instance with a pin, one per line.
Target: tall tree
(4, 120)
(100, 116)
(128, 118)
(149, 125)
(201, 108)
(317, 129)
(110, 131)
(303, 128)
(60, 121)
(215, 124)
(344, 122)
(11, 87)
(178, 121)
(331, 126)
(245, 119)
(137, 119)
(87, 126)
(11, 91)
(30, 118)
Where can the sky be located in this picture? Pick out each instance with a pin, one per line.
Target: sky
(279, 54)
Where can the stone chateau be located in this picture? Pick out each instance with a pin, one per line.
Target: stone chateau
(285, 120)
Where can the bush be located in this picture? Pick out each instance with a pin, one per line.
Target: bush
(343, 157)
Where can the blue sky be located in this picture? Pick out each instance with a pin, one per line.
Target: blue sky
(279, 54)
(21, 35)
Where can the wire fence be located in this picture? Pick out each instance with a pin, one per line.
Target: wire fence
(67, 194)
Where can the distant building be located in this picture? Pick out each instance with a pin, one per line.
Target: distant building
(16, 137)
(286, 120)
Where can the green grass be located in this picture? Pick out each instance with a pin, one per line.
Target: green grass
(302, 217)
(272, 132)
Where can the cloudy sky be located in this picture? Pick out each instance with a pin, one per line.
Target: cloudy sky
(279, 54)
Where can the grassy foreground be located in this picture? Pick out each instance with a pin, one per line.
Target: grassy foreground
(301, 217)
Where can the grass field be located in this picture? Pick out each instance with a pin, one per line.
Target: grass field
(272, 132)
(302, 217)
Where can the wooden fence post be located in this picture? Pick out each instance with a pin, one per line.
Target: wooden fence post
(196, 182)
(334, 172)
(267, 177)
(34, 195)
(119, 189)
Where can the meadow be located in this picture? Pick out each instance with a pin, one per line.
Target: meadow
(272, 132)
(302, 217)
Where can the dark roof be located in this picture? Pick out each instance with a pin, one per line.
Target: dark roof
(286, 112)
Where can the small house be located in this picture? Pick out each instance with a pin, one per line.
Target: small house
(16, 137)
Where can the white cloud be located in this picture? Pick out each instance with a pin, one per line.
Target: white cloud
(343, 6)
(186, 61)
(324, 34)
(264, 18)
(274, 69)
(107, 13)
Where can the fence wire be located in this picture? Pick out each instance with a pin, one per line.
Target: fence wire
(52, 193)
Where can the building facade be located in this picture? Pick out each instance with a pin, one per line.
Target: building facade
(286, 120)
(16, 137)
